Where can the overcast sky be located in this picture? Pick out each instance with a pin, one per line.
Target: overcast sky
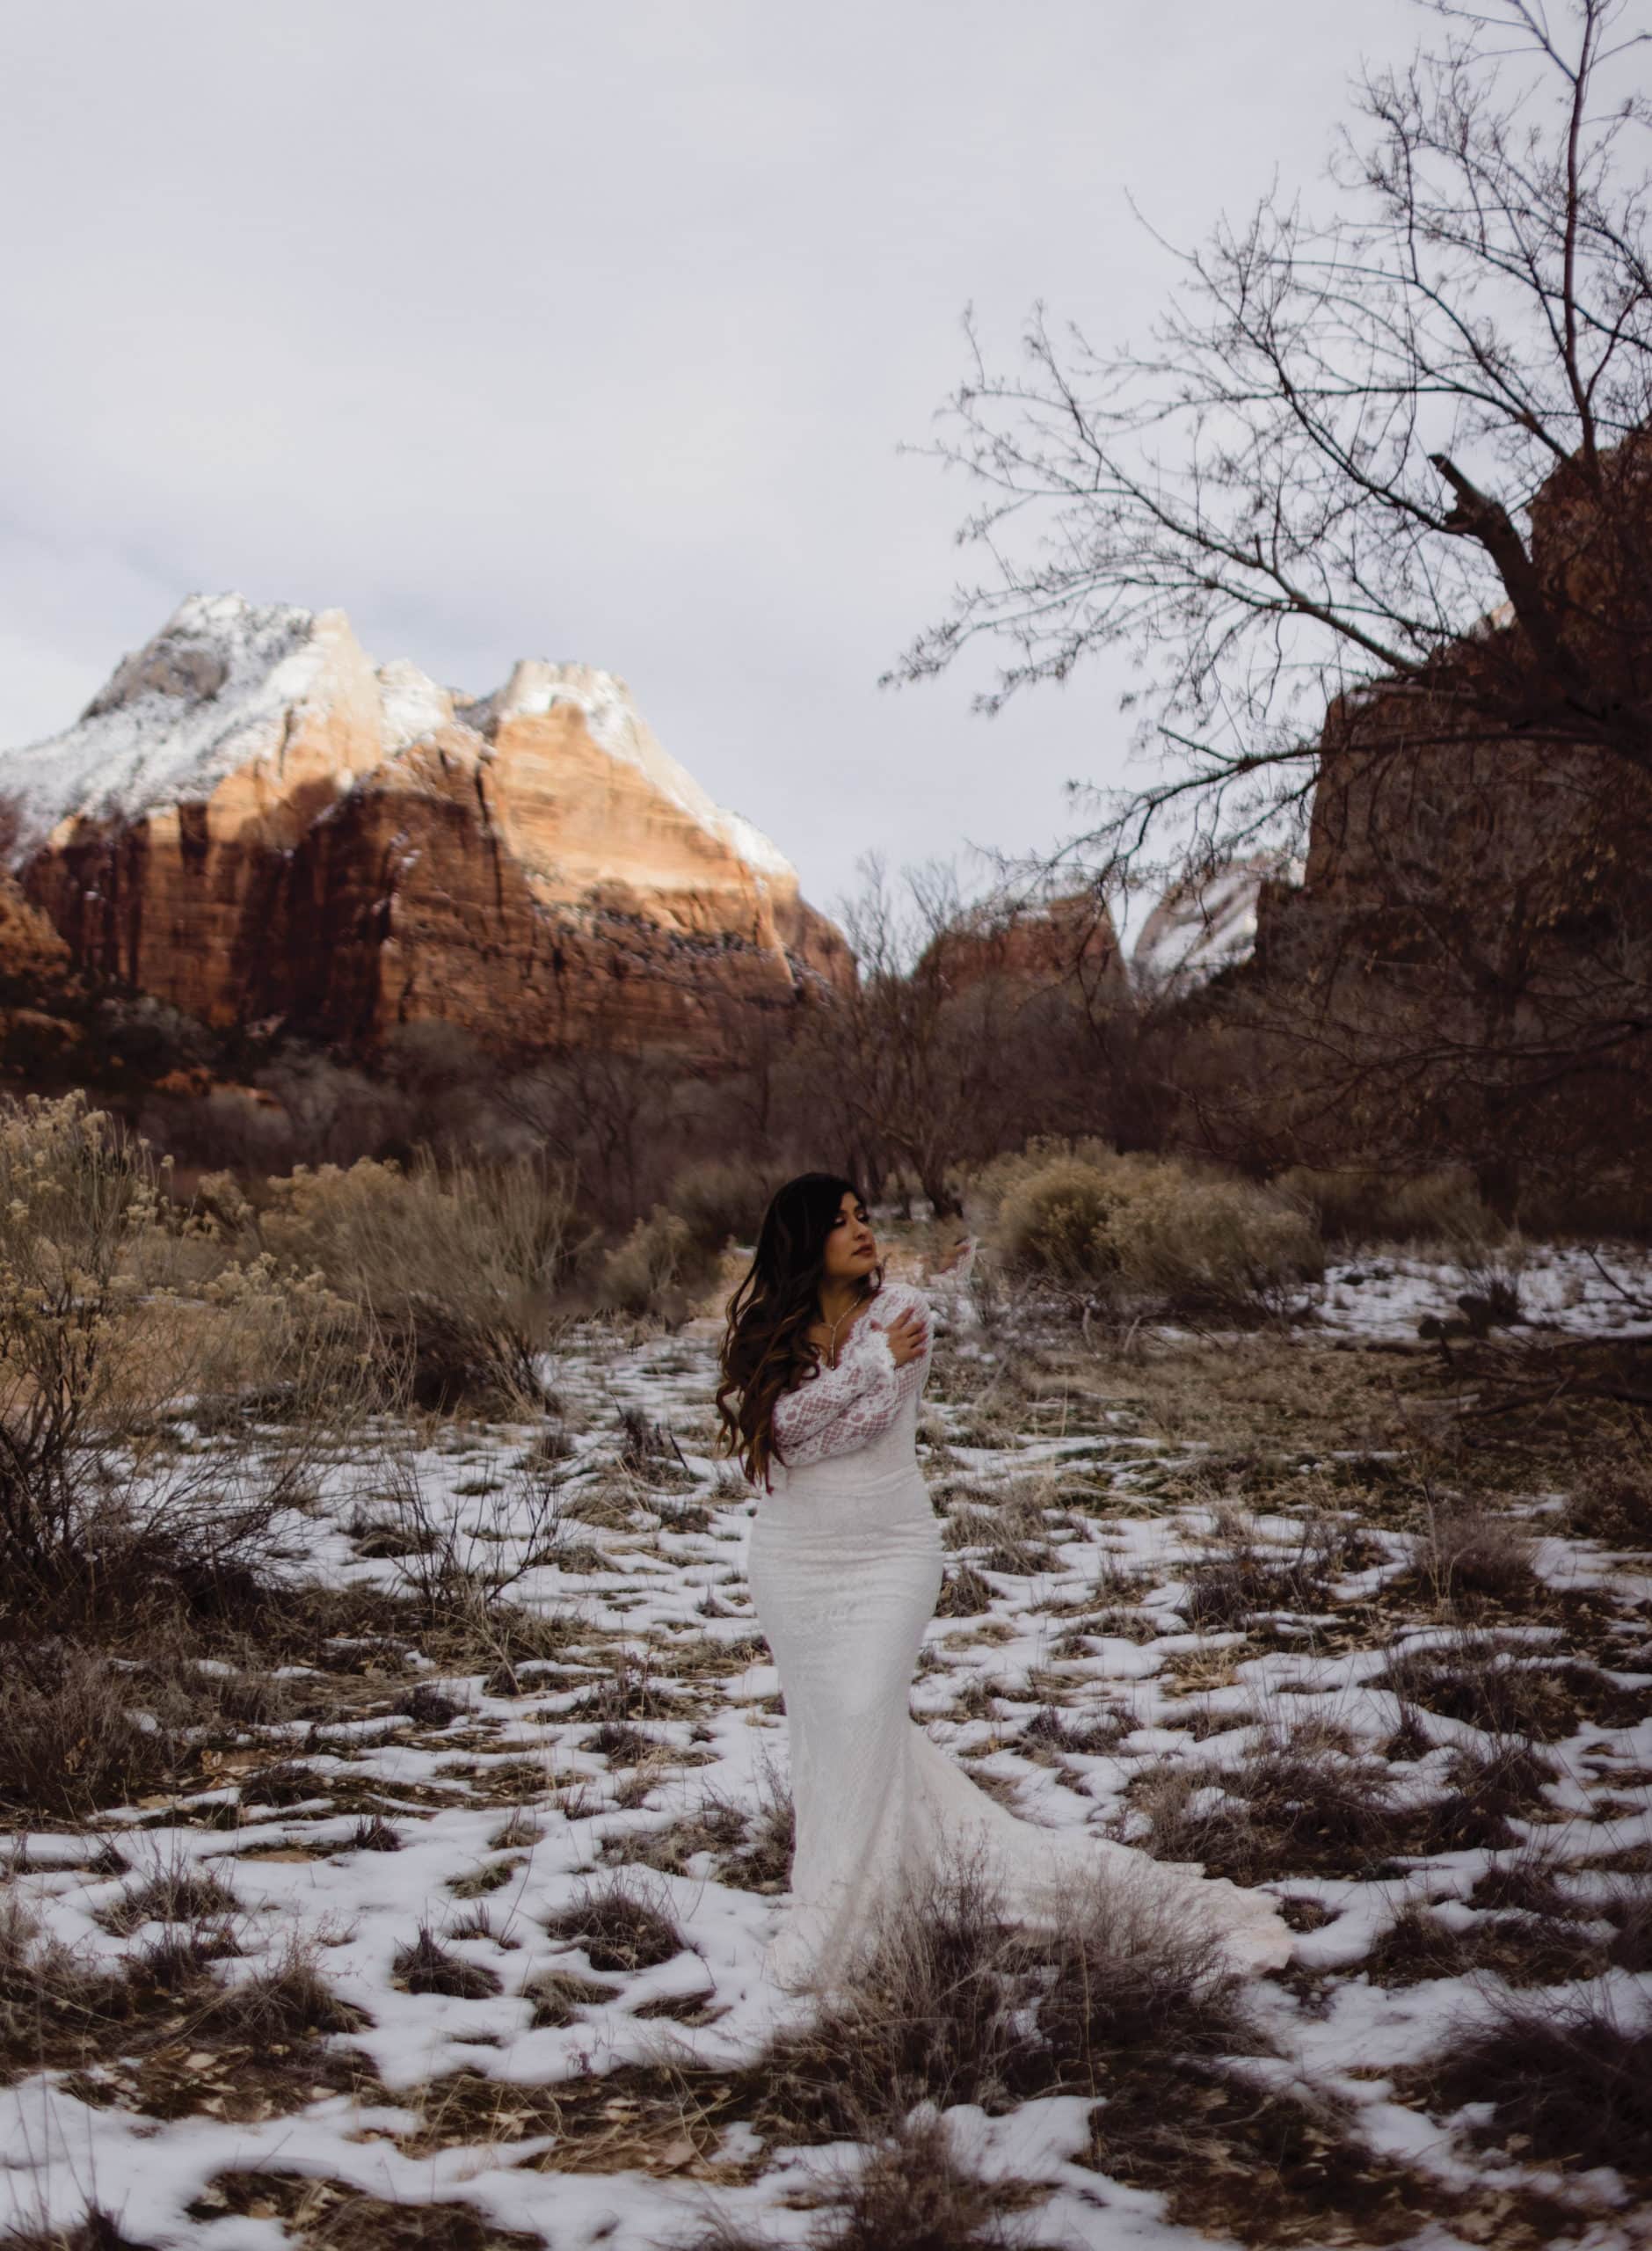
(519, 328)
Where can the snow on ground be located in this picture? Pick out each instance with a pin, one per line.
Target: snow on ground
(1565, 1289)
(502, 1802)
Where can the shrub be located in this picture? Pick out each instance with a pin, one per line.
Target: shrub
(1194, 1241)
(1144, 1229)
(655, 1270)
(617, 1930)
(458, 1267)
(426, 1966)
(1351, 1205)
(721, 1200)
(100, 1510)
(1058, 1222)
(951, 2004)
(1567, 2081)
(70, 1739)
(80, 1213)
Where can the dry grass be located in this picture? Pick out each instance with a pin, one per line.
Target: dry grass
(558, 1996)
(329, 2216)
(617, 1928)
(1522, 1949)
(1568, 2080)
(1294, 1806)
(952, 2005)
(289, 2001)
(1239, 1574)
(70, 1741)
(910, 2193)
(426, 1966)
(1509, 1693)
(96, 2230)
(176, 1894)
(1475, 1561)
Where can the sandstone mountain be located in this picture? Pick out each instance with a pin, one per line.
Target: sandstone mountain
(1061, 942)
(253, 822)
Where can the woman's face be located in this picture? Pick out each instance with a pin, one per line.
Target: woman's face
(851, 1248)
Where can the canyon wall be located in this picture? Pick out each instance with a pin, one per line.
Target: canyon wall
(254, 823)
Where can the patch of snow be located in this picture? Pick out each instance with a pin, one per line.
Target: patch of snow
(209, 693)
(1199, 928)
(411, 703)
(615, 726)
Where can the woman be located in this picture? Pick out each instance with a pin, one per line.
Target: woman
(823, 1367)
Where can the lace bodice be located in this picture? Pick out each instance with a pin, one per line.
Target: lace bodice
(844, 1408)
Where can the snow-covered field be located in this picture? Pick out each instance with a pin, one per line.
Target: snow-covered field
(423, 1833)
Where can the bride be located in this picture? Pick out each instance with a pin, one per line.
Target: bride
(823, 1366)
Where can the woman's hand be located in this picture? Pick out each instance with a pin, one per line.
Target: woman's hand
(907, 1335)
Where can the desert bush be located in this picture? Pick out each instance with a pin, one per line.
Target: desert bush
(617, 1929)
(1135, 1229)
(1470, 1558)
(71, 1736)
(949, 2002)
(1295, 1804)
(424, 1965)
(459, 1267)
(1188, 1240)
(1566, 2080)
(1349, 1205)
(1239, 1574)
(656, 1269)
(80, 1216)
(721, 1200)
(100, 1363)
(1054, 1218)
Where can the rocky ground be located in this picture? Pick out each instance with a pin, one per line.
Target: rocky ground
(463, 1955)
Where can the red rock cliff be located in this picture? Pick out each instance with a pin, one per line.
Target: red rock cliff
(252, 821)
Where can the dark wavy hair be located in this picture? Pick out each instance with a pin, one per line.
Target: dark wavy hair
(766, 1346)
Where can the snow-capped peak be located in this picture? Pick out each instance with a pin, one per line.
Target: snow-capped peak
(228, 685)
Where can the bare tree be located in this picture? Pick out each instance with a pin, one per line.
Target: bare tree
(1319, 472)
(1374, 511)
(970, 1027)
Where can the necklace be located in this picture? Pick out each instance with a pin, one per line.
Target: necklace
(833, 1327)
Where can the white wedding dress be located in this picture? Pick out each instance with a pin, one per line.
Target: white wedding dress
(845, 1567)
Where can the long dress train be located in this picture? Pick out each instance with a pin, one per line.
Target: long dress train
(845, 1568)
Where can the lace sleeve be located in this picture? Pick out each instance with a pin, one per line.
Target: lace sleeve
(849, 1405)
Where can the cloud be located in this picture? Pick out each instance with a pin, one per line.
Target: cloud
(542, 328)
